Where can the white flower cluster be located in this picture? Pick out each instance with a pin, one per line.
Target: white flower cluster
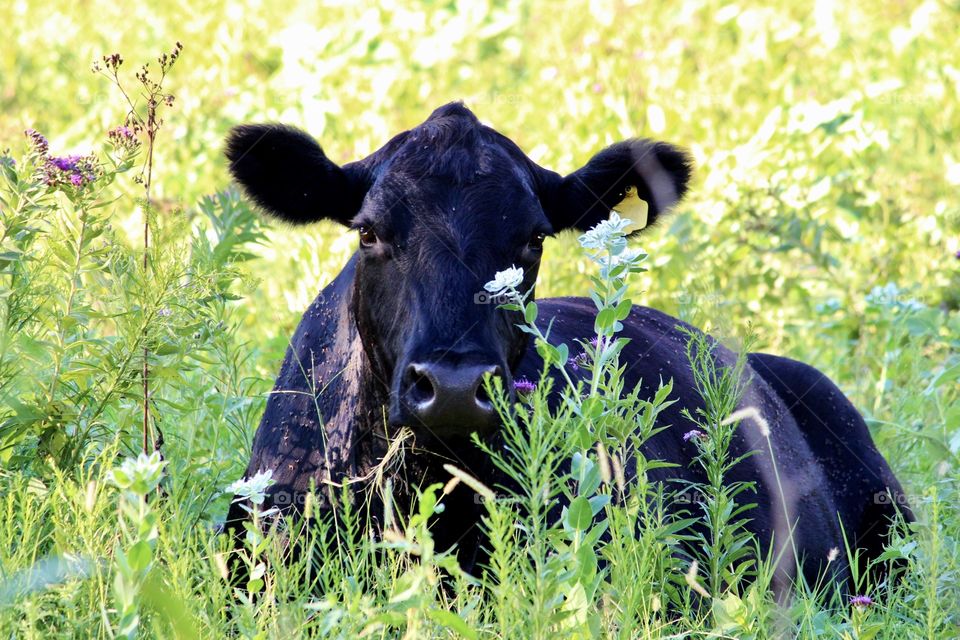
(893, 297)
(140, 475)
(609, 234)
(253, 489)
(608, 240)
(505, 283)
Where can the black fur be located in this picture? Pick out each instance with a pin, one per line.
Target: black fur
(451, 203)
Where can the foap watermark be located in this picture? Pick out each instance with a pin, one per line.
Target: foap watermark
(486, 297)
(495, 97)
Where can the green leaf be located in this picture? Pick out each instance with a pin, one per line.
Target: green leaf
(139, 556)
(579, 514)
(530, 312)
(605, 320)
(451, 621)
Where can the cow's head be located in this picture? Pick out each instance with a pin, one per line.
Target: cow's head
(438, 211)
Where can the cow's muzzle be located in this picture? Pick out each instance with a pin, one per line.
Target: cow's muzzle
(448, 399)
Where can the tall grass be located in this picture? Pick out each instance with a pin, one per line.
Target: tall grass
(823, 226)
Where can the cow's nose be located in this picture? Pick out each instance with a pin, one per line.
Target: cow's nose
(448, 398)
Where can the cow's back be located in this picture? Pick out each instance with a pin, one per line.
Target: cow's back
(791, 487)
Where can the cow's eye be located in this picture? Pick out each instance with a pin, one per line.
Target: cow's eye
(536, 242)
(368, 237)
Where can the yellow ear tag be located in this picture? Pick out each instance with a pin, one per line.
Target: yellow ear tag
(633, 208)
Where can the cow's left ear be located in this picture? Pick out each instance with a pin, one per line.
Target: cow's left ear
(284, 171)
(618, 178)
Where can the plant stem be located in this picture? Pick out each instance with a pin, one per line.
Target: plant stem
(151, 133)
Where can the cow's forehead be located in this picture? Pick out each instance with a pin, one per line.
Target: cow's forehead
(454, 146)
(451, 166)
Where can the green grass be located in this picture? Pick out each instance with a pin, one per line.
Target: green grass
(826, 143)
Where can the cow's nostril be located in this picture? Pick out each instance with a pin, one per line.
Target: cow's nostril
(483, 398)
(449, 396)
(421, 387)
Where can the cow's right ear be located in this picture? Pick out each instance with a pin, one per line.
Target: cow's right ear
(285, 172)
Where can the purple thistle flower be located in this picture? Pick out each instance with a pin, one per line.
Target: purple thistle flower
(861, 601)
(524, 387)
(76, 179)
(694, 434)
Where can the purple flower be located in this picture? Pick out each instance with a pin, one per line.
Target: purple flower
(957, 255)
(600, 343)
(123, 137)
(861, 601)
(75, 170)
(40, 143)
(578, 361)
(524, 387)
(694, 434)
(65, 163)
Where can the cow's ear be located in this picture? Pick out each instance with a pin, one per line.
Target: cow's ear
(620, 177)
(285, 172)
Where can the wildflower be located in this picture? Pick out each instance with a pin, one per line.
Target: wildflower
(140, 475)
(524, 387)
(630, 257)
(891, 296)
(957, 254)
(505, 281)
(7, 161)
(608, 234)
(694, 434)
(65, 163)
(862, 601)
(600, 344)
(164, 312)
(120, 133)
(578, 361)
(124, 138)
(253, 489)
(75, 170)
(834, 552)
(40, 144)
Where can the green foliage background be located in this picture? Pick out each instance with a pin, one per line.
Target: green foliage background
(826, 142)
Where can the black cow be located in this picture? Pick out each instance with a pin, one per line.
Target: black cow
(398, 338)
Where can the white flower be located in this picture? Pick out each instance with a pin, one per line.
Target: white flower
(891, 296)
(608, 234)
(253, 489)
(140, 475)
(631, 257)
(505, 281)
